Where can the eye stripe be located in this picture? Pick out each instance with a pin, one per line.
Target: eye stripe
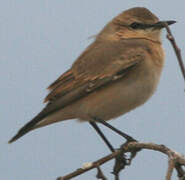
(136, 25)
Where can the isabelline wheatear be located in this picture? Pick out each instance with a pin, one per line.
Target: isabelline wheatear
(118, 72)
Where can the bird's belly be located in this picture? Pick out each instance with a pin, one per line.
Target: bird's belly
(116, 99)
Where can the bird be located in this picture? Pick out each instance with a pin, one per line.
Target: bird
(115, 74)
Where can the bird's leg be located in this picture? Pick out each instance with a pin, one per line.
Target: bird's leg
(127, 137)
(120, 161)
(100, 133)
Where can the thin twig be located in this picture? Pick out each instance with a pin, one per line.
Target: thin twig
(170, 169)
(177, 50)
(180, 171)
(100, 174)
(120, 163)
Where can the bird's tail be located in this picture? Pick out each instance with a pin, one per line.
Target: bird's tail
(27, 127)
(24, 130)
(44, 118)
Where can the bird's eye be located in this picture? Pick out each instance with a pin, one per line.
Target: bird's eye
(135, 25)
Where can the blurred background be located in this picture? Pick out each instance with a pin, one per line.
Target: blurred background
(39, 40)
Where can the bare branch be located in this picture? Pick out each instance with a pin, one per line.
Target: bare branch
(180, 171)
(177, 50)
(170, 169)
(100, 174)
(177, 158)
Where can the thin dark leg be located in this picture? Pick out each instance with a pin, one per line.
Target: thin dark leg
(127, 137)
(94, 125)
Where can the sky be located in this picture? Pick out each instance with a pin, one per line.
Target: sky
(39, 40)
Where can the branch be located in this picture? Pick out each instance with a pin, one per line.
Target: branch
(174, 158)
(177, 50)
(100, 174)
(180, 171)
(170, 169)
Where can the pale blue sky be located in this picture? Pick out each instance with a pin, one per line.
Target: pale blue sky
(39, 40)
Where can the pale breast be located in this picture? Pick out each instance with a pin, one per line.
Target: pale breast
(121, 96)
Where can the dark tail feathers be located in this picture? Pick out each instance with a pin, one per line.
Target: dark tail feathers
(28, 127)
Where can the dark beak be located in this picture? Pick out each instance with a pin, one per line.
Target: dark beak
(161, 24)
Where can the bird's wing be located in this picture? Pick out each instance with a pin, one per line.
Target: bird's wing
(98, 65)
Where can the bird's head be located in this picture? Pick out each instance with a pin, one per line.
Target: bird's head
(136, 22)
